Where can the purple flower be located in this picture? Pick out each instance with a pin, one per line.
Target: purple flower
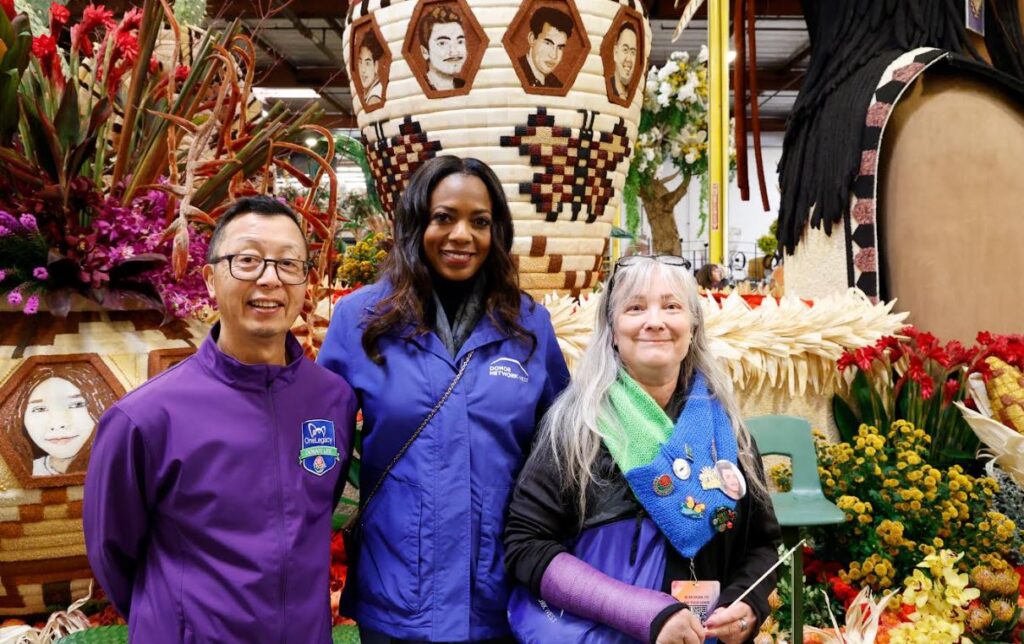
(40, 273)
(32, 305)
(29, 222)
(3, 274)
(14, 297)
(4, 231)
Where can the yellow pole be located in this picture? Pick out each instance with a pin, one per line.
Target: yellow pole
(718, 126)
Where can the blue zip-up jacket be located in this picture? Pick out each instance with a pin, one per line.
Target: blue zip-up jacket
(431, 560)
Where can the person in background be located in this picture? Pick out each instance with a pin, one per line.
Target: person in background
(711, 276)
(209, 496)
(430, 563)
(620, 501)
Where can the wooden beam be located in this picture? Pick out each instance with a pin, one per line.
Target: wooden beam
(670, 9)
(311, 37)
(269, 8)
(338, 121)
(282, 75)
(797, 57)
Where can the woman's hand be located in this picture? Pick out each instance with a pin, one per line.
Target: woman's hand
(732, 625)
(682, 628)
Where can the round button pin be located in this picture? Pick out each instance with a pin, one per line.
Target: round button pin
(681, 468)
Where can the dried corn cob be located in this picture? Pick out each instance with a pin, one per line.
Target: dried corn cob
(1006, 393)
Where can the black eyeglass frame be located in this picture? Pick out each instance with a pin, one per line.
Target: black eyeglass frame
(307, 265)
(630, 260)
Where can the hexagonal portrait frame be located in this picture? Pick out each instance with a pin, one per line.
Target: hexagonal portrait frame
(547, 43)
(623, 43)
(81, 387)
(369, 54)
(449, 29)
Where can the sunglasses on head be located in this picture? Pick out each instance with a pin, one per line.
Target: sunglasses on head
(633, 260)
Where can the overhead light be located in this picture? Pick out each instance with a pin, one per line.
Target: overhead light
(310, 141)
(263, 93)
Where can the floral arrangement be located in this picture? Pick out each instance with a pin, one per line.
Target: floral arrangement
(899, 507)
(912, 376)
(676, 104)
(362, 260)
(673, 128)
(117, 161)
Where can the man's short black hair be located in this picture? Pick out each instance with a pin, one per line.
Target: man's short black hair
(254, 205)
(549, 15)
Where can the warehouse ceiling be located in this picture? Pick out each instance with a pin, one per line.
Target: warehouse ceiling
(299, 47)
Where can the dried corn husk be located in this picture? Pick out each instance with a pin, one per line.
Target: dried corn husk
(1006, 393)
(786, 344)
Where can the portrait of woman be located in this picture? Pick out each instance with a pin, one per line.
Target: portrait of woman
(51, 417)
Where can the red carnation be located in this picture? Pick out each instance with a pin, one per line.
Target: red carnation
(864, 357)
(94, 17)
(44, 47)
(846, 360)
(949, 390)
(8, 6)
(59, 16)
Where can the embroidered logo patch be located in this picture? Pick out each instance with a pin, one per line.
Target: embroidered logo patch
(509, 368)
(319, 453)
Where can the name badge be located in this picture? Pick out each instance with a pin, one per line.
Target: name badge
(700, 596)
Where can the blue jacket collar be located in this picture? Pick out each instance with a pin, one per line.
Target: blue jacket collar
(249, 376)
(484, 333)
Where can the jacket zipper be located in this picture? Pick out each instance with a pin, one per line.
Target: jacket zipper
(280, 505)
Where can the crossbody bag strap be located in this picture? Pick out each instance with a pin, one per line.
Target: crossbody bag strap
(433, 412)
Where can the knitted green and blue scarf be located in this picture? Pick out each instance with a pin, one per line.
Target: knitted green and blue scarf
(646, 445)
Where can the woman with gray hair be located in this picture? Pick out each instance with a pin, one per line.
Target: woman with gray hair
(620, 527)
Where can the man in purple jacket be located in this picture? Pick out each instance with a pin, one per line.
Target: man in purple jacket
(209, 494)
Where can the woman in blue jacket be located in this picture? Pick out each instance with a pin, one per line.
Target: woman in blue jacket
(431, 561)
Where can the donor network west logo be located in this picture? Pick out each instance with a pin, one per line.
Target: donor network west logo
(509, 368)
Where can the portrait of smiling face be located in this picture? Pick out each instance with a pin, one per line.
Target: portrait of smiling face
(58, 423)
(50, 412)
(443, 45)
(622, 55)
(370, 63)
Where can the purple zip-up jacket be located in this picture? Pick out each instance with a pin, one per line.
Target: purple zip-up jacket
(201, 522)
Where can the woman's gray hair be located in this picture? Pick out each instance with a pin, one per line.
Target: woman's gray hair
(571, 429)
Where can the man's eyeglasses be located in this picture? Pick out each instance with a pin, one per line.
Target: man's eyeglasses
(633, 260)
(250, 268)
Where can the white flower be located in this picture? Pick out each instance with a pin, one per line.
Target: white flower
(702, 57)
(679, 55)
(691, 157)
(664, 73)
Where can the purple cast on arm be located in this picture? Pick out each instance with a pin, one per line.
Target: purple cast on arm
(577, 587)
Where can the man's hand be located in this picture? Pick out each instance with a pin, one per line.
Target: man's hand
(732, 625)
(682, 628)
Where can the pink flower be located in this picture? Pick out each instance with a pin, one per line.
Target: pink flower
(14, 297)
(4, 231)
(29, 222)
(3, 275)
(32, 305)
(40, 273)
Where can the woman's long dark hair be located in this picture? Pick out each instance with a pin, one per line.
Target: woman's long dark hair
(407, 269)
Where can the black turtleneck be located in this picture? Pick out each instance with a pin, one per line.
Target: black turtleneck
(452, 294)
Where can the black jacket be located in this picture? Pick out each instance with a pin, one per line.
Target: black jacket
(543, 518)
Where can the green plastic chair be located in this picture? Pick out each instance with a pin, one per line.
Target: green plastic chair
(98, 635)
(119, 635)
(805, 504)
